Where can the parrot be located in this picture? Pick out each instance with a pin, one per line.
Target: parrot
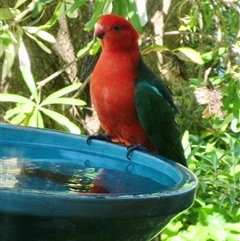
(133, 105)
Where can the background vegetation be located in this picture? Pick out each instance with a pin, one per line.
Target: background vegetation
(47, 55)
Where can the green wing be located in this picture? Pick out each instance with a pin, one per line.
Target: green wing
(157, 117)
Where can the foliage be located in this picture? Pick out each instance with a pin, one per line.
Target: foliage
(213, 146)
(24, 21)
(209, 45)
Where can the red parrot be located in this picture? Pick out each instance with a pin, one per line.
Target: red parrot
(133, 105)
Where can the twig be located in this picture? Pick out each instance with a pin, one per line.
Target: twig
(219, 31)
(54, 75)
(19, 17)
(185, 32)
(31, 6)
(81, 89)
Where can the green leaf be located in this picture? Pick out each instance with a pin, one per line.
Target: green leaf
(39, 43)
(14, 98)
(120, 8)
(56, 14)
(10, 53)
(82, 52)
(43, 46)
(95, 48)
(65, 101)
(33, 119)
(31, 29)
(70, 14)
(18, 119)
(46, 36)
(8, 13)
(38, 8)
(188, 54)
(2, 49)
(28, 108)
(5, 67)
(40, 122)
(77, 4)
(61, 92)
(19, 3)
(61, 120)
(10, 113)
(5, 39)
(98, 8)
(24, 63)
(154, 47)
(207, 57)
(133, 16)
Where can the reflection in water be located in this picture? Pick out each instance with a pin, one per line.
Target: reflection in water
(71, 177)
(9, 171)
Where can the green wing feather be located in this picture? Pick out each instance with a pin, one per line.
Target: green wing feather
(156, 112)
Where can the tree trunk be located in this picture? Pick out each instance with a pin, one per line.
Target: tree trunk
(70, 38)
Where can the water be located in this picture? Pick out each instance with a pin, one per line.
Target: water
(49, 175)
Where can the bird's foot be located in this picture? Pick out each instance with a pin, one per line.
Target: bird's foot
(132, 148)
(100, 137)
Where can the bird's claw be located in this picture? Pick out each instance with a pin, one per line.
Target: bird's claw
(132, 148)
(100, 137)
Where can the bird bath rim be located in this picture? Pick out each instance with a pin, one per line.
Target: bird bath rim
(185, 185)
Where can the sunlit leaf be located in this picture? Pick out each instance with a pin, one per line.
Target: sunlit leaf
(73, 13)
(65, 101)
(82, 52)
(98, 8)
(8, 13)
(39, 43)
(221, 51)
(2, 49)
(14, 98)
(13, 37)
(5, 68)
(10, 113)
(207, 56)
(38, 8)
(24, 63)
(10, 53)
(61, 120)
(61, 92)
(18, 119)
(56, 14)
(46, 36)
(188, 54)
(43, 46)
(5, 39)
(33, 119)
(186, 143)
(95, 48)
(142, 11)
(31, 29)
(28, 108)
(133, 16)
(40, 122)
(120, 8)
(154, 47)
(77, 4)
(19, 3)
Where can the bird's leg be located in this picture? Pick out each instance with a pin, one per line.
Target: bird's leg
(100, 137)
(132, 148)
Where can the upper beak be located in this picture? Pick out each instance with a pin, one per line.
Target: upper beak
(99, 31)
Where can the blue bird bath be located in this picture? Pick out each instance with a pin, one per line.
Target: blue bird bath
(54, 186)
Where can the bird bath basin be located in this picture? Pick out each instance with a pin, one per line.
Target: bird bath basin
(54, 186)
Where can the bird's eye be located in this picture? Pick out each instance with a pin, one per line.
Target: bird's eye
(117, 28)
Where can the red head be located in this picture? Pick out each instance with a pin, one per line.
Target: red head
(116, 33)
